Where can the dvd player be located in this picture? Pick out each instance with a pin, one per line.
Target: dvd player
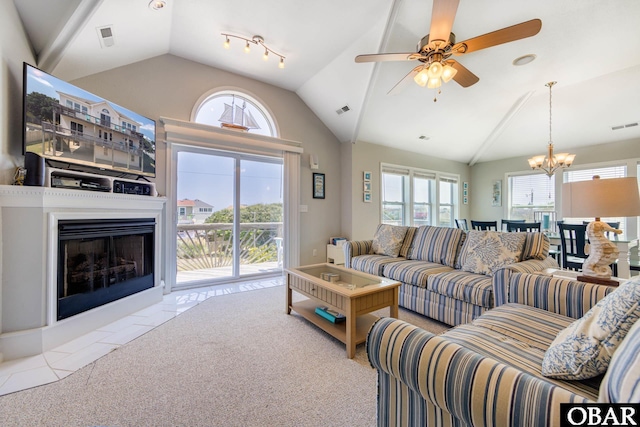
(126, 187)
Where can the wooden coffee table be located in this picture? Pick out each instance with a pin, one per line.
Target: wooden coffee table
(351, 293)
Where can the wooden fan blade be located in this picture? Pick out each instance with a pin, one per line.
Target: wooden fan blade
(442, 16)
(405, 80)
(380, 57)
(463, 77)
(505, 35)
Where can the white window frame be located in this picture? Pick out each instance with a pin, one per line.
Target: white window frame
(408, 197)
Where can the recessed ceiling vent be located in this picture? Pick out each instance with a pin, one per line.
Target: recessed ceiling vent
(628, 125)
(343, 110)
(105, 34)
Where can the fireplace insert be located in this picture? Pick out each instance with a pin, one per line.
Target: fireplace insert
(100, 261)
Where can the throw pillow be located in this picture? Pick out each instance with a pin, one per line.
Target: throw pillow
(388, 239)
(487, 251)
(584, 348)
(436, 244)
(622, 382)
(536, 246)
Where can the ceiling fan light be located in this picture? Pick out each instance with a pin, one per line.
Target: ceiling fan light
(227, 43)
(247, 48)
(421, 78)
(266, 55)
(435, 70)
(434, 83)
(281, 64)
(448, 73)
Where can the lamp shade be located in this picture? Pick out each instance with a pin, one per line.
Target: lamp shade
(598, 198)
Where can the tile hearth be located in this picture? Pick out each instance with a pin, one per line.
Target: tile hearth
(27, 372)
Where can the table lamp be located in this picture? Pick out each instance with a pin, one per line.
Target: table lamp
(598, 198)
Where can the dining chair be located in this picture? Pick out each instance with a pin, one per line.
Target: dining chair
(462, 224)
(523, 226)
(484, 225)
(572, 240)
(504, 223)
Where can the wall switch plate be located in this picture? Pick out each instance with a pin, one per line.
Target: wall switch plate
(315, 252)
(304, 208)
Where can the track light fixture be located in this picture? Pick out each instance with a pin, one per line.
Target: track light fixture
(257, 40)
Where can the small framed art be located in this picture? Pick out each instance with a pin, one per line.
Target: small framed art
(367, 186)
(367, 197)
(366, 175)
(318, 185)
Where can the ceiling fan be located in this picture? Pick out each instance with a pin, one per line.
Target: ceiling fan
(436, 48)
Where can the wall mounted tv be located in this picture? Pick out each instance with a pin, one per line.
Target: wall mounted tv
(74, 129)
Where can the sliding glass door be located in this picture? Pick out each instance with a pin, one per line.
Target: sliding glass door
(229, 216)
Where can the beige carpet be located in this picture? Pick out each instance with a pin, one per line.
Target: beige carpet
(233, 360)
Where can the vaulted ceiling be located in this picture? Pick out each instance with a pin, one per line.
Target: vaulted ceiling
(590, 47)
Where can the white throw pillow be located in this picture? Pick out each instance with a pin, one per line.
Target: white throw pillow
(584, 348)
(487, 251)
(388, 239)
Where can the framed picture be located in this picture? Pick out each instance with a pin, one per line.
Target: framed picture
(496, 193)
(366, 176)
(318, 185)
(367, 186)
(367, 197)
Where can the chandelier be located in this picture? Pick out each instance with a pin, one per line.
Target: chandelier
(257, 40)
(551, 162)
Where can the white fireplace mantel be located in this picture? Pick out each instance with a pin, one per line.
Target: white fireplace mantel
(28, 255)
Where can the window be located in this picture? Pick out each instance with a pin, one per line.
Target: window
(76, 106)
(393, 198)
(448, 194)
(587, 174)
(235, 109)
(77, 128)
(69, 103)
(84, 110)
(418, 197)
(105, 151)
(529, 194)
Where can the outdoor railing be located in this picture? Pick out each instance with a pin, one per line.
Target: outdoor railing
(206, 246)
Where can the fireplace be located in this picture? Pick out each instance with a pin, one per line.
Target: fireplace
(100, 261)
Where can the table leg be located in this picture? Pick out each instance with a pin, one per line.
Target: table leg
(624, 271)
(288, 308)
(351, 328)
(393, 308)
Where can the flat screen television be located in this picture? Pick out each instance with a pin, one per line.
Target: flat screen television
(74, 129)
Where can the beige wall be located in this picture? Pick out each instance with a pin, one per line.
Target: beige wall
(360, 219)
(14, 50)
(170, 86)
(483, 174)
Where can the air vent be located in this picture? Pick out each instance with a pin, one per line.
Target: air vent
(423, 137)
(628, 125)
(105, 34)
(343, 110)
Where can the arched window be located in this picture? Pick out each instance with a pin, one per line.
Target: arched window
(235, 110)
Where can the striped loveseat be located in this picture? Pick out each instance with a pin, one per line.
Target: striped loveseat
(430, 265)
(488, 372)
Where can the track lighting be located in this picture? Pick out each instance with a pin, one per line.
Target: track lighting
(257, 40)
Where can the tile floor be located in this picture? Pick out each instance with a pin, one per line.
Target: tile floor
(20, 374)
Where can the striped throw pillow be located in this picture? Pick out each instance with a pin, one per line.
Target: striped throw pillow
(436, 244)
(621, 384)
(536, 246)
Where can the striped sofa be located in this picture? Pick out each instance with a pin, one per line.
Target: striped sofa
(488, 372)
(432, 281)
